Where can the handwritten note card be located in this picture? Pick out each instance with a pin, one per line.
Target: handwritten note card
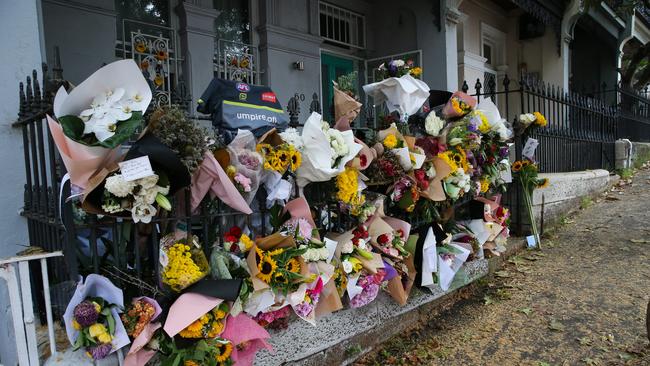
(529, 148)
(136, 168)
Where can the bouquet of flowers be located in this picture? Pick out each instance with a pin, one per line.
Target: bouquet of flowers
(389, 236)
(278, 267)
(209, 325)
(405, 192)
(525, 172)
(346, 104)
(369, 285)
(140, 313)
(136, 196)
(235, 241)
(208, 352)
(349, 188)
(247, 164)
(458, 105)
(280, 158)
(174, 129)
(100, 114)
(92, 321)
(398, 68)
(182, 263)
(326, 151)
(274, 318)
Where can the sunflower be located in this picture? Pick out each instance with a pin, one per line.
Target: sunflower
(543, 183)
(266, 266)
(224, 349)
(525, 163)
(280, 277)
(259, 254)
(275, 252)
(293, 265)
(296, 160)
(516, 166)
(216, 328)
(283, 158)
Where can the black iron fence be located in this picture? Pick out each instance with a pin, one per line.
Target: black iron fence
(580, 135)
(581, 130)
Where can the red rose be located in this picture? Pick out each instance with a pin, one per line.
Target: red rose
(235, 231)
(234, 248)
(363, 159)
(230, 238)
(383, 239)
(400, 233)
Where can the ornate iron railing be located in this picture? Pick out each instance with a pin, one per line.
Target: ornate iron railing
(237, 61)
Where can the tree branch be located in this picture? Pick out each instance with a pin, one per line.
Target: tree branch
(627, 74)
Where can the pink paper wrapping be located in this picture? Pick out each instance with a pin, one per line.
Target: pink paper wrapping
(492, 204)
(186, 309)
(80, 161)
(242, 329)
(210, 177)
(299, 208)
(138, 356)
(448, 110)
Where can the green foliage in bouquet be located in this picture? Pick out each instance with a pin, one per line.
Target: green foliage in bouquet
(73, 127)
(348, 83)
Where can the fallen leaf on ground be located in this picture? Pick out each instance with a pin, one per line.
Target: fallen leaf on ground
(503, 274)
(556, 326)
(526, 311)
(640, 241)
(584, 341)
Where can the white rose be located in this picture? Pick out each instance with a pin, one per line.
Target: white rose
(527, 118)
(398, 63)
(347, 248)
(433, 124)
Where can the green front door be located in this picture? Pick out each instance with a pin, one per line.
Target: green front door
(331, 68)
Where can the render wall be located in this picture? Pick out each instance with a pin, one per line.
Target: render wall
(19, 36)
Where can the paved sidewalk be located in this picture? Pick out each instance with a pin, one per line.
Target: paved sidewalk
(581, 301)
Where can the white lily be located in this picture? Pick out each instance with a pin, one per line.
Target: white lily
(142, 212)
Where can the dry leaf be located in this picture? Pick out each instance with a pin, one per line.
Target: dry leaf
(556, 326)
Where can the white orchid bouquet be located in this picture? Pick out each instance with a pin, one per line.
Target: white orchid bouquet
(107, 111)
(97, 116)
(137, 196)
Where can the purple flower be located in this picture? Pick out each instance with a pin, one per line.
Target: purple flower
(101, 351)
(472, 126)
(504, 151)
(392, 69)
(85, 313)
(366, 296)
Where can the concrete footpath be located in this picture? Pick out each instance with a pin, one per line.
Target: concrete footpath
(580, 301)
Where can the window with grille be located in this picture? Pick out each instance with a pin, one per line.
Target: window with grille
(341, 26)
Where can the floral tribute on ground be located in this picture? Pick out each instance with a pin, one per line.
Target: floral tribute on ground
(351, 214)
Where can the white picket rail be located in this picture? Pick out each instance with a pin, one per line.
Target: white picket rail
(15, 272)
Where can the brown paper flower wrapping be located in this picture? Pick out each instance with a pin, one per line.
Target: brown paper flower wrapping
(345, 106)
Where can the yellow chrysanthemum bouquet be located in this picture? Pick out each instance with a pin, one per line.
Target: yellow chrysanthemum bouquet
(182, 263)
